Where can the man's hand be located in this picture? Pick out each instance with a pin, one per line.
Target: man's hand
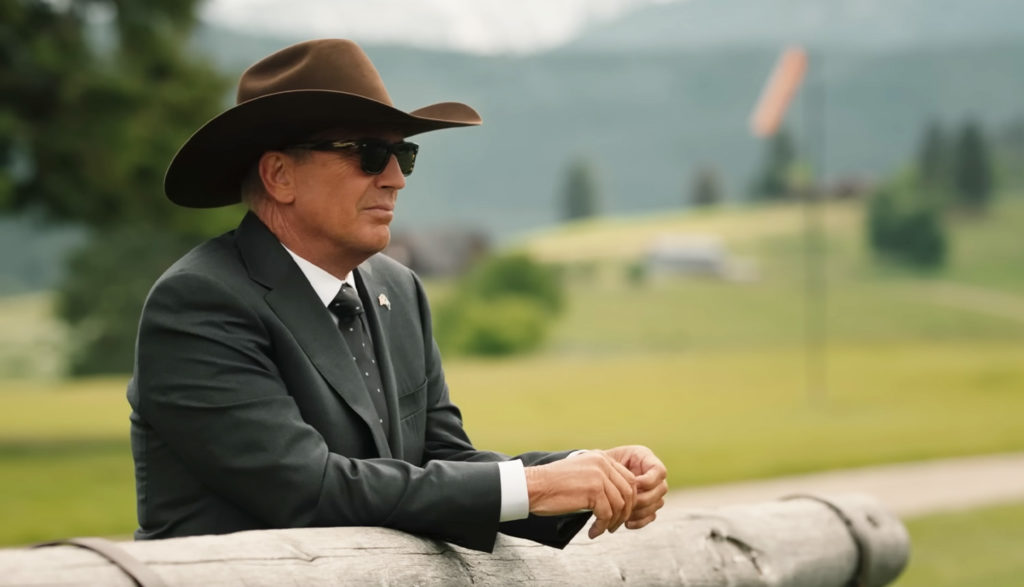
(651, 486)
(590, 480)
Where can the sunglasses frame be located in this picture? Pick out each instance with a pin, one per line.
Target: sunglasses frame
(404, 151)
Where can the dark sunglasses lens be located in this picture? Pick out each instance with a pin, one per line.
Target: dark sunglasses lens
(374, 156)
(406, 155)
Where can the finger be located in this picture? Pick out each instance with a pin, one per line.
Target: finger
(652, 495)
(628, 456)
(654, 475)
(625, 484)
(617, 501)
(637, 524)
(602, 513)
(645, 498)
(640, 513)
(631, 501)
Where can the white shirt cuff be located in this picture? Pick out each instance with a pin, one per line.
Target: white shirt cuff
(515, 498)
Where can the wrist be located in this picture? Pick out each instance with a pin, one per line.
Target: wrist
(535, 482)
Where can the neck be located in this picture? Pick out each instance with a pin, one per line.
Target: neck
(336, 262)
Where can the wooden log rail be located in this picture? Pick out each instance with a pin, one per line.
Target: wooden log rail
(801, 541)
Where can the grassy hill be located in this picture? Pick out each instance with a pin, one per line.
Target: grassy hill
(979, 296)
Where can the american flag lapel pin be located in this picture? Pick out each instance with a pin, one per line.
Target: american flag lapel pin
(384, 301)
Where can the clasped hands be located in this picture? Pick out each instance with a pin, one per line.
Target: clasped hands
(622, 485)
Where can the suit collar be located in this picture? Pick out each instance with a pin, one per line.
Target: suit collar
(324, 284)
(293, 300)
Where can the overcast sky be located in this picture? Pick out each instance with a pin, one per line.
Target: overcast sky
(479, 26)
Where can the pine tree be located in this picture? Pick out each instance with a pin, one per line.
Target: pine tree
(579, 196)
(706, 190)
(934, 160)
(973, 169)
(1010, 154)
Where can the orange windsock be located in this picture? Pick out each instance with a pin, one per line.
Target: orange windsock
(778, 92)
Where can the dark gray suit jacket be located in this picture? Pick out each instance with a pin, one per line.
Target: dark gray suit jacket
(245, 414)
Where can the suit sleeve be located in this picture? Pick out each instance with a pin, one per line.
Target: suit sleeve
(208, 385)
(446, 439)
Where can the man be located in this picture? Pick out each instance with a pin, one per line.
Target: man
(286, 374)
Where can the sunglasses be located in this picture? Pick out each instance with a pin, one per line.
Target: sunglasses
(374, 154)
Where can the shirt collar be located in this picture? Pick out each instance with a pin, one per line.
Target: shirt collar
(324, 284)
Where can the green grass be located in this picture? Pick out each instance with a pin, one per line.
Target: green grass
(60, 489)
(65, 468)
(65, 464)
(979, 547)
(722, 416)
(55, 411)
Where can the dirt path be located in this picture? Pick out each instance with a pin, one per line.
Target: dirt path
(907, 490)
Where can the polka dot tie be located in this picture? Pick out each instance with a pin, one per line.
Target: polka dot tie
(352, 323)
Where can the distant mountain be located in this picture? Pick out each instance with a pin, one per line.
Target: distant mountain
(877, 25)
(647, 119)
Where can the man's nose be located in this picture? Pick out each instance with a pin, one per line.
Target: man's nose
(391, 177)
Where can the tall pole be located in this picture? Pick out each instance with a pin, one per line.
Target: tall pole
(815, 246)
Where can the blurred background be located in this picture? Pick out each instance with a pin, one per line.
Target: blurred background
(613, 257)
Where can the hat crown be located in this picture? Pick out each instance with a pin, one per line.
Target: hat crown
(337, 65)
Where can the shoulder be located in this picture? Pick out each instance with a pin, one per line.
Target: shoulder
(385, 270)
(386, 266)
(212, 270)
(217, 257)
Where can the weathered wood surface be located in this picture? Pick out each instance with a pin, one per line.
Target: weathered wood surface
(800, 542)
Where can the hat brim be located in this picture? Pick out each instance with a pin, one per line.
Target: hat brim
(207, 170)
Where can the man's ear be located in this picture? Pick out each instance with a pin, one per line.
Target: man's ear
(277, 170)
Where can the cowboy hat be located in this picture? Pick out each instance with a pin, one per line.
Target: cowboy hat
(300, 90)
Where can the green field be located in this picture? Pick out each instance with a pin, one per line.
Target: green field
(981, 547)
(710, 374)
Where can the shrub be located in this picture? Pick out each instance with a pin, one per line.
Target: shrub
(499, 326)
(515, 274)
(906, 228)
(504, 306)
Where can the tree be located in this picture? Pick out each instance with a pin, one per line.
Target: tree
(90, 115)
(775, 179)
(505, 306)
(706, 189)
(906, 227)
(973, 169)
(1010, 154)
(933, 163)
(580, 195)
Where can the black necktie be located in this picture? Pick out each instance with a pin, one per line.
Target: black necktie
(352, 323)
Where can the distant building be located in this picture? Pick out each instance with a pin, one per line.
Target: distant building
(697, 255)
(849, 188)
(438, 252)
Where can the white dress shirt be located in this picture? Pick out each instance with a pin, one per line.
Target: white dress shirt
(515, 499)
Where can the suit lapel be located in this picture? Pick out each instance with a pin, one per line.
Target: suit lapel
(295, 303)
(378, 320)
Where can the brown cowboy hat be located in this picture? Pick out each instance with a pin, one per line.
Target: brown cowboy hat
(284, 98)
